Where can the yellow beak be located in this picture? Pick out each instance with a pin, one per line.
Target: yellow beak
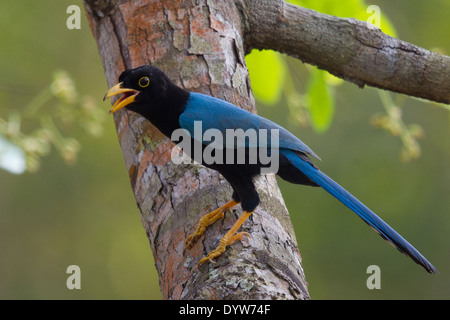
(122, 102)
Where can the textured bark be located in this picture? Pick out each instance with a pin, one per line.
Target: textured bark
(347, 48)
(199, 44)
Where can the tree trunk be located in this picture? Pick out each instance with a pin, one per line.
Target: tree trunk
(199, 44)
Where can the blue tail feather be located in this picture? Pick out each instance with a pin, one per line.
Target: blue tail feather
(360, 209)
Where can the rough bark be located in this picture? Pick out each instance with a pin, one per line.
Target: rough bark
(199, 44)
(347, 48)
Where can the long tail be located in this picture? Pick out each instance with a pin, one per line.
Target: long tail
(383, 229)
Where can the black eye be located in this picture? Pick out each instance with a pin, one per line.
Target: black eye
(144, 82)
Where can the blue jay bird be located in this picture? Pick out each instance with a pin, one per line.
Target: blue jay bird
(149, 92)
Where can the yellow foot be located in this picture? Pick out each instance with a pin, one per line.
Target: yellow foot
(224, 242)
(229, 238)
(208, 220)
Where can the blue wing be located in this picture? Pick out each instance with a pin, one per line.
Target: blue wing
(221, 115)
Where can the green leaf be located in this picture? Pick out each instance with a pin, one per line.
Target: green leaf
(267, 72)
(320, 101)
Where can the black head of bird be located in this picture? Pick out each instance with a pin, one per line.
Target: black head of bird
(140, 88)
(148, 91)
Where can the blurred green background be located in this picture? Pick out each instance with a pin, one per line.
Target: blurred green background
(84, 212)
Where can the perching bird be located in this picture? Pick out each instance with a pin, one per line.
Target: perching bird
(149, 92)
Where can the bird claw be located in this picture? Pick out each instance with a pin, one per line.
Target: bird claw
(207, 258)
(206, 221)
(189, 242)
(224, 243)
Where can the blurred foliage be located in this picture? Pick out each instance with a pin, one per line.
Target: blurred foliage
(320, 100)
(86, 214)
(57, 103)
(393, 122)
(267, 83)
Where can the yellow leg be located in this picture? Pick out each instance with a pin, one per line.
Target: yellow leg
(208, 220)
(229, 238)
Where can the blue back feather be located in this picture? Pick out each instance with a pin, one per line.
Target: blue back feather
(219, 114)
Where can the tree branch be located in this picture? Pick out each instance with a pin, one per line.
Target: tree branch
(347, 48)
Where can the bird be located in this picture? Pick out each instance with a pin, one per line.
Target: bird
(148, 91)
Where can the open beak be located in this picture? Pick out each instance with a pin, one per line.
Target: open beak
(128, 97)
